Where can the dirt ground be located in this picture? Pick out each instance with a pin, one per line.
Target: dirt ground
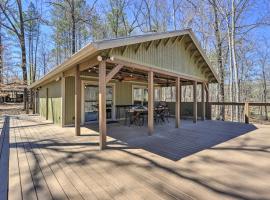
(11, 109)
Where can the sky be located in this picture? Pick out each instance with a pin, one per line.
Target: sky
(260, 10)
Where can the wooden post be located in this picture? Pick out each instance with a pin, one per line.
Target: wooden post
(77, 101)
(150, 102)
(63, 95)
(208, 106)
(177, 102)
(195, 102)
(246, 112)
(102, 105)
(47, 103)
(34, 101)
(203, 102)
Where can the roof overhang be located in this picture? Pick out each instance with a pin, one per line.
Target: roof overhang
(99, 46)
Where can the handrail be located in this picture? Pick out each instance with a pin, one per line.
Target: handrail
(245, 104)
(240, 103)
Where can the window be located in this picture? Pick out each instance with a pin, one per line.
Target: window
(168, 94)
(140, 94)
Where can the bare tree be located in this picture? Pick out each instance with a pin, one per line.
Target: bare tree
(16, 25)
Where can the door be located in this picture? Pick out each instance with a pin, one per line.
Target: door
(91, 102)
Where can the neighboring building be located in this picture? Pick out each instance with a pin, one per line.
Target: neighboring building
(12, 92)
(127, 71)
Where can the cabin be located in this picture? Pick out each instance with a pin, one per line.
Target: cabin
(104, 79)
(12, 92)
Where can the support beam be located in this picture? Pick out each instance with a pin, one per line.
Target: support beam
(102, 105)
(203, 102)
(177, 102)
(63, 95)
(246, 112)
(150, 102)
(34, 100)
(148, 45)
(113, 72)
(195, 102)
(77, 101)
(208, 108)
(47, 103)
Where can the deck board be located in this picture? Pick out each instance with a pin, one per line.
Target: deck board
(208, 160)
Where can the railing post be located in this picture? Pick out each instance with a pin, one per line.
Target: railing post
(246, 112)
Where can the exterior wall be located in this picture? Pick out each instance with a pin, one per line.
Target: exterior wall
(170, 57)
(123, 92)
(54, 100)
(70, 100)
(123, 95)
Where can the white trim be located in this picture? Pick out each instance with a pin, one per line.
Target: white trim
(83, 98)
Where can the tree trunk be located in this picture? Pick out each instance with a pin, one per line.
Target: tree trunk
(265, 93)
(73, 27)
(23, 55)
(235, 68)
(219, 57)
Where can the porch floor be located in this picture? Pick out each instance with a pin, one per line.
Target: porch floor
(207, 160)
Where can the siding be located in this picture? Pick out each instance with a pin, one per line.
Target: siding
(54, 101)
(70, 100)
(170, 57)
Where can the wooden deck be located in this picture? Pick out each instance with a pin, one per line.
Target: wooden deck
(207, 160)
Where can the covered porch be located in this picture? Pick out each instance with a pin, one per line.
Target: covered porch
(109, 71)
(98, 83)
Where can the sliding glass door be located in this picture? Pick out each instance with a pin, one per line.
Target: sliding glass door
(91, 102)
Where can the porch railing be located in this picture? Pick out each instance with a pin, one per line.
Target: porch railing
(246, 111)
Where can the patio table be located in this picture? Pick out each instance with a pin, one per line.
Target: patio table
(136, 114)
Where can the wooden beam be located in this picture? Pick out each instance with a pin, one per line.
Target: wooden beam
(145, 67)
(177, 102)
(201, 64)
(34, 100)
(112, 73)
(158, 43)
(188, 45)
(246, 112)
(195, 102)
(36, 104)
(193, 53)
(203, 69)
(208, 106)
(203, 102)
(88, 64)
(150, 102)
(102, 105)
(166, 41)
(174, 40)
(199, 60)
(63, 95)
(47, 103)
(148, 45)
(77, 101)
(196, 58)
(181, 39)
(124, 50)
(137, 48)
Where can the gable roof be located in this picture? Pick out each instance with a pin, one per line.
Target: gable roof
(101, 45)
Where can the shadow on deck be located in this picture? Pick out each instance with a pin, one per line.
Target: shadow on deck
(60, 150)
(172, 143)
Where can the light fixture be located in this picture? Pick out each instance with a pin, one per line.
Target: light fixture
(112, 58)
(99, 58)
